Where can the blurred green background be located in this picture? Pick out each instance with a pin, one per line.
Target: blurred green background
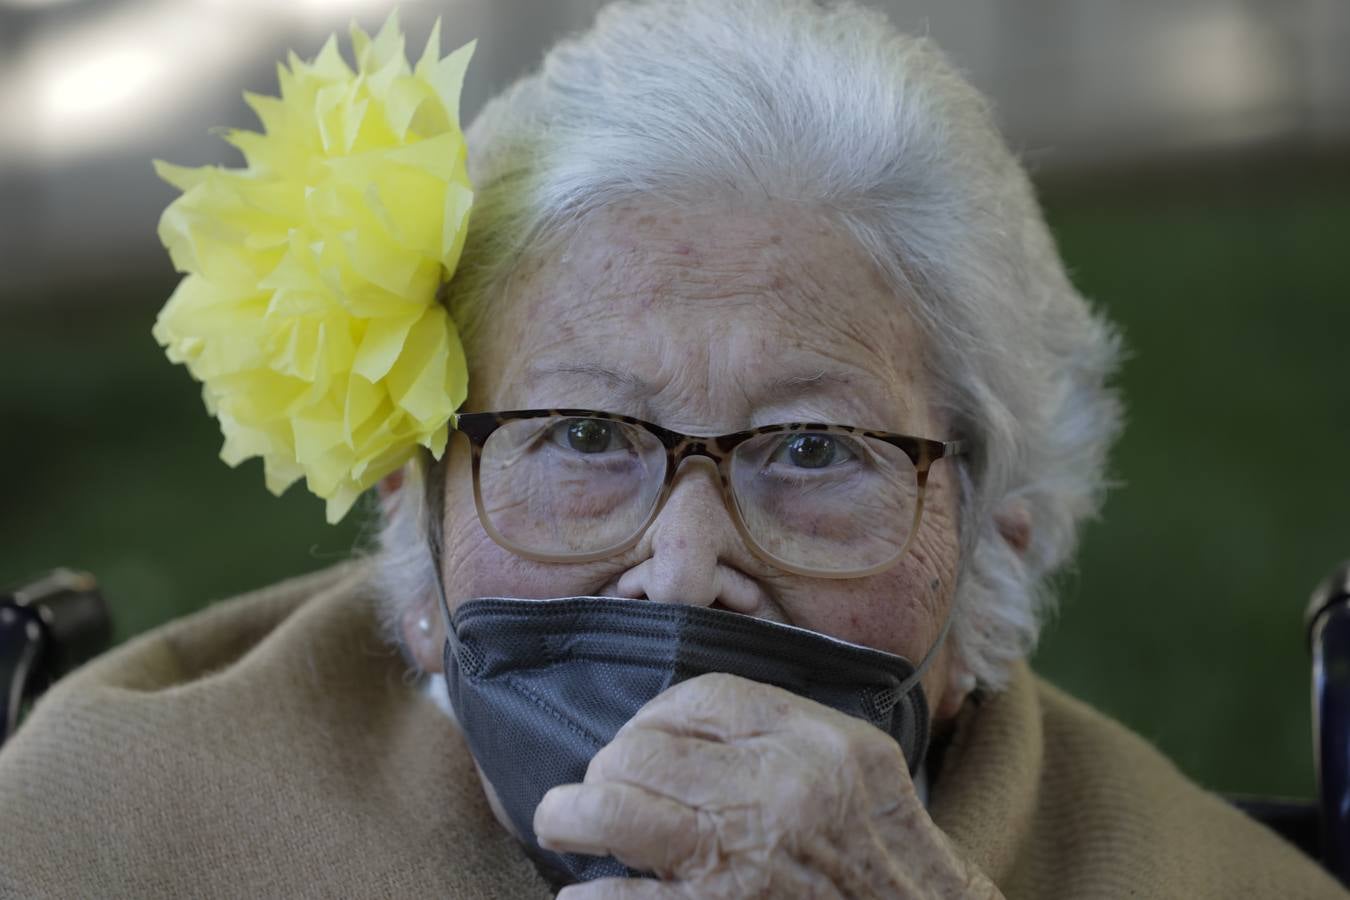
(1194, 159)
(1182, 616)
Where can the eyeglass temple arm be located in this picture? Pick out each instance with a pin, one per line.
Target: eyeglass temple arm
(955, 448)
(435, 512)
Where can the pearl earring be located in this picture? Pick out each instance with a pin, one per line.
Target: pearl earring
(424, 625)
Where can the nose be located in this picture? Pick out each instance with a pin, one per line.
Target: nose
(692, 552)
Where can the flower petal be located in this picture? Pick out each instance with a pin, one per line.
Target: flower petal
(309, 304)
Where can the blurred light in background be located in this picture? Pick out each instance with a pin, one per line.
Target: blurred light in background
(99, 86)
(91, 90)
(326, 10)
(1222, 75)
(1194, 156)
(31, 4)
(103, 84)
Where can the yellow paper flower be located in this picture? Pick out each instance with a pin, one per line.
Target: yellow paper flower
(309, 309)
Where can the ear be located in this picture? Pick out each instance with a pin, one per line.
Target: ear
(1013, 521)
(423, 630)
(960, 685)
(390, 483)
(389, 489)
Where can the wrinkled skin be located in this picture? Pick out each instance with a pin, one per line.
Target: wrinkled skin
(729, 788)
(710, 320)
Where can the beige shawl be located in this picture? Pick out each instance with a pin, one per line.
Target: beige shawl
(272, 746)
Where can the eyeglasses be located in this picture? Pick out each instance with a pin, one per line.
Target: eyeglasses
(577, 485)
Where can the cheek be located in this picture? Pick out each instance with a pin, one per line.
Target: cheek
(899, 611)
(473, 565)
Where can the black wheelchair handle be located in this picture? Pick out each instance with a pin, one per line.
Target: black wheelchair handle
(47, 628)
(1328, 624)
(1333, 590)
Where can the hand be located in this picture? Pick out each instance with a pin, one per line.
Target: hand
(727, 788)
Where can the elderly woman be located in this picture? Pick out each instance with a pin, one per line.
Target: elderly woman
(776, 374)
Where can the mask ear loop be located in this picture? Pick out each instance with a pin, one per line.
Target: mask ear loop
(904, 687)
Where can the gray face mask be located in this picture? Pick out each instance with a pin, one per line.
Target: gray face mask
(539, 686)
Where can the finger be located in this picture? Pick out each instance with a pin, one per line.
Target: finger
(762, 726)
(622, 889)
(639, 828)
(719, 707)
(689, 770)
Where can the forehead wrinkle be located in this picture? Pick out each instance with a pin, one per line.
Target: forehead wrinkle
(835, 378)
(626, 383)
(633, 276)
(655, 267)
(633, 391)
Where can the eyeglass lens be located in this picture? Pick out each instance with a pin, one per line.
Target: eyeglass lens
(826, 502)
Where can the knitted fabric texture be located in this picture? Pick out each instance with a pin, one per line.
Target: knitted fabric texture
(272, 746)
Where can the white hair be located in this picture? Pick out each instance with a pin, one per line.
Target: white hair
(830, 107)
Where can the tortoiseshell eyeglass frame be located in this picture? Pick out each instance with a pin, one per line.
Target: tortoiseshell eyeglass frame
(478, 427)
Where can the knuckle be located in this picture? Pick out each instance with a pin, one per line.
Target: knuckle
(607, 763)
(839, 743)
(612, 808)
(806, 797)
(876, 750)
(710, 684)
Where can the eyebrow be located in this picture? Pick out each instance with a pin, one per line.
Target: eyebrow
(634, 388)
(626, 384)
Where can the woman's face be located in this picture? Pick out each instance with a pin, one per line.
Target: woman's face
(710, 321)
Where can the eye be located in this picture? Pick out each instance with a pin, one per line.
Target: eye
(813, 451)
(588, 436)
